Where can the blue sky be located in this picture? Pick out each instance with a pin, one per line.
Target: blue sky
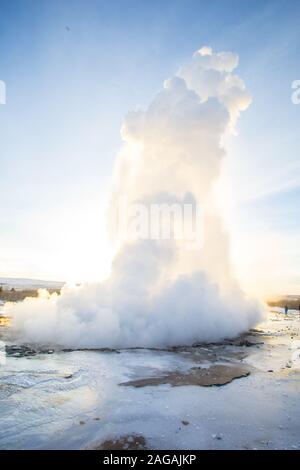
(73, 69)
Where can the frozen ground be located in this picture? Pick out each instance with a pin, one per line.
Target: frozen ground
(72, 400)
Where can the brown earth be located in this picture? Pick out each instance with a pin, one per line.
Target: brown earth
(128, 442)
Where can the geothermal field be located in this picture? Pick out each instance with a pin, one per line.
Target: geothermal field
(237, 394)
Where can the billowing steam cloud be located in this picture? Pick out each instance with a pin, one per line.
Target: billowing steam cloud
(159, 293)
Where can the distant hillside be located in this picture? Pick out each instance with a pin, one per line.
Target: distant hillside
(28, 284)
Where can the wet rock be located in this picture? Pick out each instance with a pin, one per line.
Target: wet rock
(128, 442)
(205, 377)
(244, 342)
(108, 350)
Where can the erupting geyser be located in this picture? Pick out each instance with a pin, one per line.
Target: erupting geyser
(159, 292)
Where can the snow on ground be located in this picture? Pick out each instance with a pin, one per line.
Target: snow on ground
(71, 400)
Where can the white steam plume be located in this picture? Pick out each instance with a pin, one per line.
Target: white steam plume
(159, 293)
